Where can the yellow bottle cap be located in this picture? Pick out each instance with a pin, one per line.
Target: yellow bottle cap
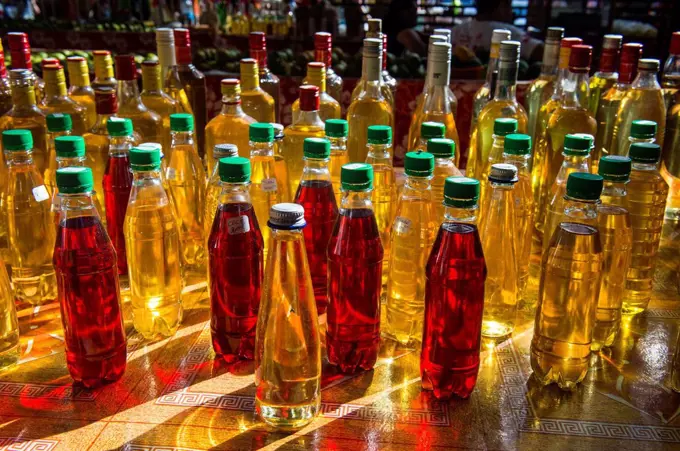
(78, 72)
(55, 82)
(249, 74)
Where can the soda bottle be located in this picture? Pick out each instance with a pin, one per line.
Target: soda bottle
(235, 264)
(315, 194)
(214, 186)
(355, 258)
(10, 350)
(444, 167)
(287, 342)
(336, 133)
(70, 152)
(456, 271)
(87, 280)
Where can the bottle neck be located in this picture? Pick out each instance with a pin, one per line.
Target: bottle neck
(181, 139)
(416, 183)
(370, 70)
(119, 146)
(166, 57)
(258, 149)
(183, 55)
(521, 162)
(128, 93)
(77, 205)
(103, 68)
(55, 90)
(307, 118)
(151, 80)
(614, 189)
(140, 178)
(23, 96)
(19, 158)
(79, 79)
(324, 55)
(646, 80)
(338, 144)
(356, 200)
(249, 82)
(576, 90)
(497, 146)
(65, 162)
(579, 210)
(507, 81)
(551, 56)
(380, 153)
(261, 57)
(493, 62)
(231, 105)
(608, 59)
(572, 163)
(439, 75)
(235, 193)
(466, 215)
(649, 167)
(316, 169)
(316, 78)
(294, 235)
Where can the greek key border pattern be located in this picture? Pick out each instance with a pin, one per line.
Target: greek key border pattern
(662, 313)
(46, 391)
(155, 448)
(21, 444)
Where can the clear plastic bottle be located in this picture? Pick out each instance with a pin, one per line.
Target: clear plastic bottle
(428, 131)
(501, 128)
(215, 185)
(336, 133)
(70, 151)
(10, 348)
(287, 342)
(485, 93)
(255, 101)
(58, 124)
(329, 108)
(56, 99)
(444, 151)
(80, 90)
(280, 166)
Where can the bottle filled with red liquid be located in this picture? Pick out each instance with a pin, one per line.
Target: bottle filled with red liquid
(454, 296)
(235, 249)
(355, 255)
(117, 183)
(87, 283)
(316, 196)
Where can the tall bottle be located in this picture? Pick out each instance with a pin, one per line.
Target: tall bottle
(606, 76)
(388, 82)
(323, 46)
(307, 123)
(58, 124)
(255, 102)
(670, 78)
(568, 288)
(87, 281)
(355, 256)
(502, 127)
(56, 99)
(316, 196)
(287, 341)
(503, 104)
(486, 92)
(336, 133)
(370, 106)
(235, 264)
(444, 167)
(70, 152)
(257, 42)
(411, 241)
(31, 232)
(5, 90)
(80, 90)
(455, 272)
(154, 98)
(151, 231)
(453, 101)
(670, 168)
(103, 71)
(214, 186)
(10, 349)
(20, 51)
(329, 108)
(647, 193)
(171, 81)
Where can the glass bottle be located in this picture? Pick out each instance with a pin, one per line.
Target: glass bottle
(647, 194)
(151, 231)
(411, 241)
(568, 288)
(280, 166)
(670, 79)
(453, 101)
(255, 102)
(80, 90)
(369, 106)
(214, 186)
(70, 152)
(56, 99)
(316, 196)
(670, 168)
(455, 272)
(10, 348)
(444, 167)
(486, 92)
(388, 84)
(287, 341)
(154, 98)
(428, 131)
(355, 256)
(323, 46)
(103, 71)
(235, 264)
(257, 42)
(606, 76)
(336, 133)
(502, 127)
(58, 124)
(31, 232)
(5, 90)
(329, 108)
(20, 51)
(170, 77)
(87, 282)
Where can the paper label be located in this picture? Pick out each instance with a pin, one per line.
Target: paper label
(269, 185)
(402, 225)
(40, 193)
(238, 225)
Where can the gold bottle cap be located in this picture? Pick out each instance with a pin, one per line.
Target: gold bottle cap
(316, 75)
(103, 64)
(55, 81)
(649, 64)
(151, 76)
(230, 87)
(78, 72)
(250, 78)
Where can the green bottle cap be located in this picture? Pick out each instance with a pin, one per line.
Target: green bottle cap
(419, 164)
(461, 192)
(316, 148)
(645, 152)
(17, 140)
(642, 129)
(615, 168)
(58, 122)
(504, 126)
(356, 177)
(578, 144)
(430, 130)
(584, 186)
(441, 147)
(380, 134)
(261, 132)
(234, 169)
(74, 180)
(517, 144)
(145, 159)
(181, 122)
(119, 126)
(69, 146)
(336, 128)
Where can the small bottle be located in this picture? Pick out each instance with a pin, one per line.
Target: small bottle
(215, 185)
(256, 103)
(5, 91)
(606, 76)
(56, 99)
(80, 90)
(70, 151)
(329, 108)
(89, 294)
(287, 341)
(103, 71)
(428, 131)
(336, 133)
(280, 166)
(323, 46)
(235, 264)
(647, 194)
(485, 93)
(30, 228)
(501, 128)
(617, 238)
(58, 125)
(154, 97)
(411, 241)
(153, 250)
(455, 271)
(565, 316)
(10, 348)
(20, 51)
(444, 151)
(499, 238)
(257, 43)
(355, 261)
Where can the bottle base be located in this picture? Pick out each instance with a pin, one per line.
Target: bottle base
(496, 330)
(10, 356)
(445, 383)
(567, 373)
(352, 356)
(604, 335)
(93, 372)
(39, 290)
(152, 324)
(287, 418)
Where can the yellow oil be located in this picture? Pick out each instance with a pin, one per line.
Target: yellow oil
(599, 85)
(258, 104)
(4, 239)
(670, 168)
(280, 165)
(264, 192)
(607, 110)
(85, 98)
(329, 108)
(157, 100)
(147, 124)
(364, 111)
(638, 103)
(449, 123)
(9, 326)
(97, 154)
(231, 126)
(383, 197)
(539, 168)
(538, 94)
(56, 100)
(495, 156)
(294, 137)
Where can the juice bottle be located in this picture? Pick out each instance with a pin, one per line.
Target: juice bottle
(336, 133)
(428, 131)
(20, 51)
(355, 256)
(186, 179)
(5, 91)
(280, 166)
(568, 288)
(80, 90)
(411, 241)
(152, 242)
(257, 43)
(606, 76)
(235, 264)
(486, 92)
(58, 125)
(170, 71)
(497, 229)
(443, 150)
(316, 196)
(154, 97)
(56, 99)
(117, 183)
(455, 271)
(323, 46)
(287, 342)
(256, 103)
(617, 238)
(502, 127)
(215, 186)
(103, 71)
(10, 350)
(30, 228)
(647, 193)
(87, 281)
(329, 108)
(70, 151)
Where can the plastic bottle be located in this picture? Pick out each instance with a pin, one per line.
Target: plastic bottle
(336, 133)
(10, 349)
(58, 124)
(501, 128)
(214, 186)
(444, 167)
(70, 152)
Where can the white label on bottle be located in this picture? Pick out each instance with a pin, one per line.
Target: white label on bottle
(238, 225)
(402, 225)
(269, 185)
(40, 193)
(170, 174)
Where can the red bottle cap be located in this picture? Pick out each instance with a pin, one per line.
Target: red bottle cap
(20, 51)
(309, 98)
(567, 43)
(126, 69)
(630, 55)
(675, 44)
(101, 52)
(323, 44)
(106, 101)
(3, 69)
(51, 62)
(384, 56)
(257, 41)
(580, 58)
(18, 41)
(182, 45)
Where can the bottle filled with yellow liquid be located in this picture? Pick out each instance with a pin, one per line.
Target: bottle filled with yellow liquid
(671, 160)
(444, 151)
(5, 91)
(287, 341)
(453, 101)
(280, 165)
(10, 350)
(647, 194)
(329, 108)
(499, 241)
(257, 46)
(20, 50)
(58, 124)
(388, 84)
(336, 133)
(411, 241)
(501, 128)
(418, 110)
(255, 102)
(152, 245)
(156, 99)
(606, 76)
(31, 230)
(171, 79)
(616, 235)
(568, 288)
(428, 131)
(56, 99)
(215, 185)
(103, 71)
(80, 90)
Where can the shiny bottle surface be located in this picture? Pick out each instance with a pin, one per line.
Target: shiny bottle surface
(671, 162)
(485, 93)
(329, 108)
(10, 350)
(80, 90)
(444, 167)
(280, 165)
(323, 43)
(339, 156)
(539, 92)
(255, 102)
(268, 81)
(56, 99)
(214, 187)
(51, 171)
(606, 76)
(156, 99)
(5, 91)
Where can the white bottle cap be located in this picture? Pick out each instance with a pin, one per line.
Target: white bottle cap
(499, 35)
(443, 32)
(287, 215)
(504, 173)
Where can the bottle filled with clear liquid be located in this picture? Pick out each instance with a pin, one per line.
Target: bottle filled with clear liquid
(214, 186)
(444, 151)
(336, 133)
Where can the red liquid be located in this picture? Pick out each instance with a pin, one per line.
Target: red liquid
(355, 256)
(454, 303)
(321, 211)
(236, 271)
(87, 281)
(117, 185)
